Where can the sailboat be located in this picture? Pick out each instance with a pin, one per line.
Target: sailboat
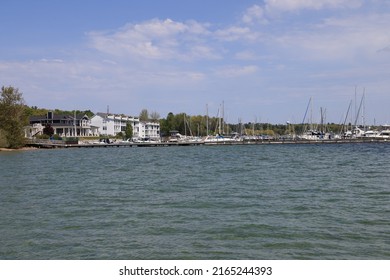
(311, 133)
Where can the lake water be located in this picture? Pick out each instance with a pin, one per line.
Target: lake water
(203, 202)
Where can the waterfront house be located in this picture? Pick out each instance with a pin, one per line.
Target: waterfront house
(63, 125)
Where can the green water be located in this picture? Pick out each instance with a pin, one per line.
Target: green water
(220, 202)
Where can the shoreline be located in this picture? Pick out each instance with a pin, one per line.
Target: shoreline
(51, 145)
(18, 149)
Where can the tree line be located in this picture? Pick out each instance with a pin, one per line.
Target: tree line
(203, 125)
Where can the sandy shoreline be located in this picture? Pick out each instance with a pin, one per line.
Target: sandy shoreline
(16, 150)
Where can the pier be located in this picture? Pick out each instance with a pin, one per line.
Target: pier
(48, 144)
(54, 144)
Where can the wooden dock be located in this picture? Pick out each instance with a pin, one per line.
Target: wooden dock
(53, 144)
(47, 144)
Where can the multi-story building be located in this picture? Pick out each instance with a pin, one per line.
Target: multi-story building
(149, 130)
(112, 124)
(62, 124)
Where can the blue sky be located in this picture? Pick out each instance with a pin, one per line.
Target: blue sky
(263, 59)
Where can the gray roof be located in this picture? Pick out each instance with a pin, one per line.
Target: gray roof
(58, 117)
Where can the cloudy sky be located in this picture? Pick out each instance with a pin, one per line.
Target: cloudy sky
(263, 59)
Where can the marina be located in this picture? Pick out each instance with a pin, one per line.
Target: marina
(105, 130)
(56, 144)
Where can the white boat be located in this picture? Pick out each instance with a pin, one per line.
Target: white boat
(221, 139)
(311, 135)
(355, 133)
(371, 134)
(384, 134)
(126, 141)
(146, 140)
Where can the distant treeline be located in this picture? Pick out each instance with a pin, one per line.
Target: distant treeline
(35, 111)
(203, 125)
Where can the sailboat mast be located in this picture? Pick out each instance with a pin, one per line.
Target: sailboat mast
(207, 120)
(304, 117)
(311, 116)
(223, 117)
(364, 109)
(219, 123)
(185, 126)
(346, 116)
(307, 109)
(358, 112)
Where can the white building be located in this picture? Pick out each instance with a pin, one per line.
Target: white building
(148, 130)
(111, 125)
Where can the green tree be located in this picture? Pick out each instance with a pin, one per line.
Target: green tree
(89, 113)
(165, 124)
(129, 131)
(48, 130)
(119, 135)
(12, 117)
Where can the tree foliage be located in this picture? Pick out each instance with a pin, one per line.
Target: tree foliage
(197, 126)
(154, 116)
(144, 115)
(35, 111)
(48, 130)
(128, 130)
(188, 125)
(12, 117)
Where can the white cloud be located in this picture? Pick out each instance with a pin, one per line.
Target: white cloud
(385, 49)
(169, 40)
(296, 5)
(235, 33)
(57, 60)
(155, 39)
(108, 61)
(203, 52)
(254, 14)
(236, 71)
(344, 39)
(271, 8)
(246, 55)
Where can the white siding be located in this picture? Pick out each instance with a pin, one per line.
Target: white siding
(113, 124)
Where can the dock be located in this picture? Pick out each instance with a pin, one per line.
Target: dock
(54, 144)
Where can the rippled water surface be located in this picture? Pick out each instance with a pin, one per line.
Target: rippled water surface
(220, 202)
